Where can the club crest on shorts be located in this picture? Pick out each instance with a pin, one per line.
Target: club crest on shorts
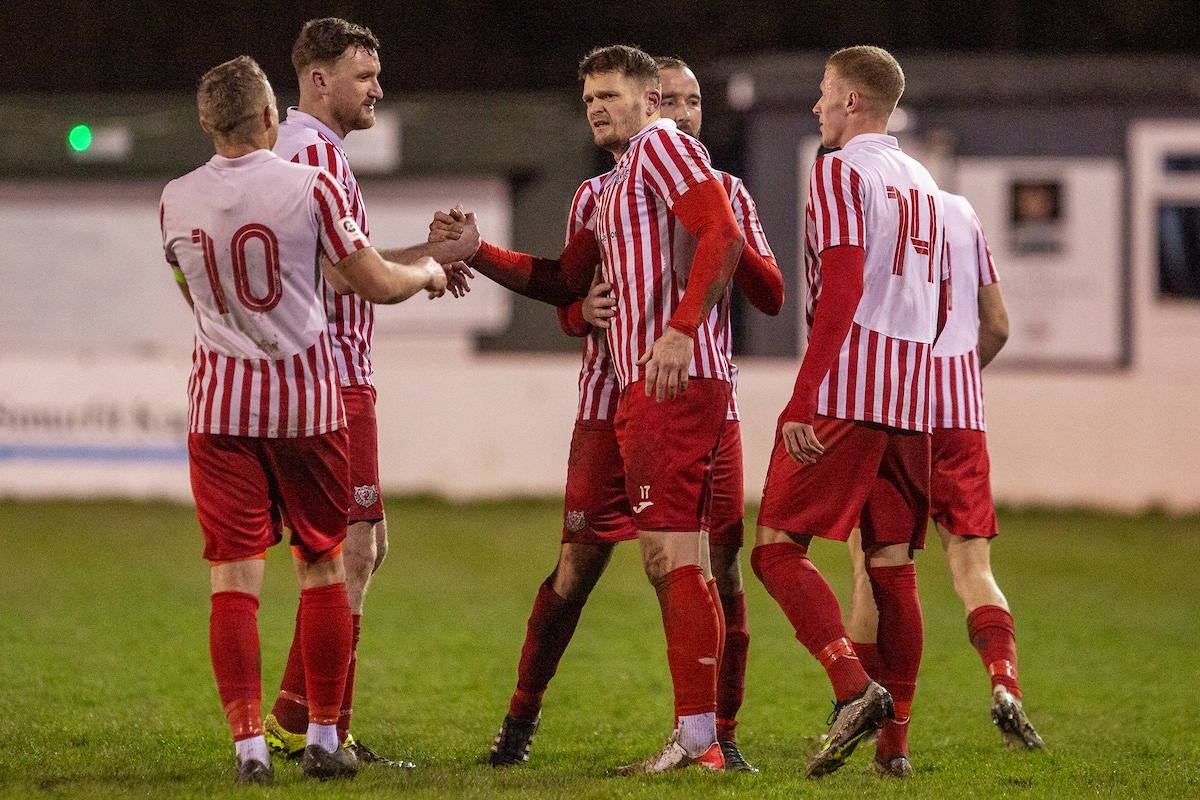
(576, 521)
(366, 496)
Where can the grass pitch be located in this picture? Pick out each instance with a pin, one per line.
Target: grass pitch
(107, 689)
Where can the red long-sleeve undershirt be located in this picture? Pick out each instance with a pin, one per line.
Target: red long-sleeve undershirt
(841, 291)
(705, 212)
(759, 278)
(557, 281)
(571, 320)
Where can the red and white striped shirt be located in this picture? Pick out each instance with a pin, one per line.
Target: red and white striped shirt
(636, 232)
(958, 385)
(247, 234)
(304, 139)
(598, 390)
(870, 194)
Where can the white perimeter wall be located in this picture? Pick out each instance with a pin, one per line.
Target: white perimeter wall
(469, 426)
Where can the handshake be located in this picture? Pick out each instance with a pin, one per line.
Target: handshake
(454, 238)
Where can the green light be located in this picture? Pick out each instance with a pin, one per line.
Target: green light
(80, 138)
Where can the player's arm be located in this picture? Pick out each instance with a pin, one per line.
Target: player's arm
(759, 278)
(559, 282)
(757, 274)
(571, 320)
(378, 280)
(993, 323)
(181, 282)
(704, 212)
(841, 291)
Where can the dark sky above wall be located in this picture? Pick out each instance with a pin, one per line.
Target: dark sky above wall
(125, 45)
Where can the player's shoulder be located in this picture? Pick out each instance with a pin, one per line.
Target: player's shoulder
(297, 139)
(956, 201)
(592, 186)
(664, 133)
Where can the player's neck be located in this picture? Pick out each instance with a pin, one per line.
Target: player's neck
(863, 126)
(318, 110)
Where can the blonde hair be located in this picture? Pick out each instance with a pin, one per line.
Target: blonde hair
(231, 95)
(873, 72)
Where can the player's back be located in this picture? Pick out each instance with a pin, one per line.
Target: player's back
(902, 233)
(244, 234)
(971, 266)
(957, 396)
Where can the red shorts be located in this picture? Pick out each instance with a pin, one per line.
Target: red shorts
(668, 450)
(960, 497)
(244, 486)
(596, 507)
(869, 472)
(366, 502)
(727, 514)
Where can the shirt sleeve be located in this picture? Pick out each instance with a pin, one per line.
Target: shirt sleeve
(583, 208)
(746, 214)
(987, 266)
(337, 231)
(836, 192)
(168, 250)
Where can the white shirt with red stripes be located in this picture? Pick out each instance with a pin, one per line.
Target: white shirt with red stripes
(958, 385)
(246, 234)
(636, 232)
(598, 389)
(872, 195)
(304, 139)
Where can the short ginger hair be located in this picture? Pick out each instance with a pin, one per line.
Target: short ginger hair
(873, 72)
(322, 42)
(231, 95)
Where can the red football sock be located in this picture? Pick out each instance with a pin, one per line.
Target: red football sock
(236, 660)
(291, 706)
(551, 626)
(812, 608)
(716, 601)
(692, 629)
(900, 641)
(893, 738)
(994, 635)
(731, 675)
(868, 654)
(343, 723)
(325, 635)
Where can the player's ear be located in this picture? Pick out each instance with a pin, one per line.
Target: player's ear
(653, 99)
(319, 79)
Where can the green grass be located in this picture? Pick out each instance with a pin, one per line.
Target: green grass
(106, 689)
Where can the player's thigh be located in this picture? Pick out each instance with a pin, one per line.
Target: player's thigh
(960, 498)
(363, 452)
(595, 505)
(897, 509)
(824, 499)
(668, 450)
(232, 487)
(727, 511)
(313, 487)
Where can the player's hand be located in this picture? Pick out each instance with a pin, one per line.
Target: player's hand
(801, 442)
(599, 306)
(458, 278)
(457, 233)
(436, 286)
(667, 363)
(444, 228)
